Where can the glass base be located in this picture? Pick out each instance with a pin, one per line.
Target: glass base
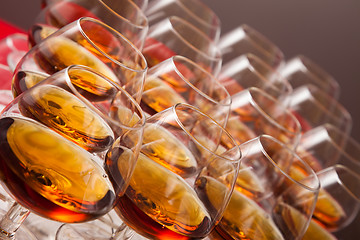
(33, 228)
(23, 233)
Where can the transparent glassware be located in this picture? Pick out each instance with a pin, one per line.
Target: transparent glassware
(142, 4)
(327, 145)
(245, 39)
(314, 107)
(122, 15)
(86, 42)
(56, 137)
(193, 11)
(247, 71)
(180, 80)
(5, 86)
(12, 48)
(301, 70)
(335, 156)
(254, 112)
(267, 202)
(339, 197)
(175, 36)
(180, 160)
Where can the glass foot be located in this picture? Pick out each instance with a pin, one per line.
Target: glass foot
(23, 233)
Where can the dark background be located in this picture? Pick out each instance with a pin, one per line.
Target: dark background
(326, 31)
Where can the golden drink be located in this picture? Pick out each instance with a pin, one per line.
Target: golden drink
(50, 175)
(158, 203)
(68, 115)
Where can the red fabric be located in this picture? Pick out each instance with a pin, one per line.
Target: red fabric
(7, 29)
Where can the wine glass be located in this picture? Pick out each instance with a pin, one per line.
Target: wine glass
(178, 79)
(175, 36)
(247, 71)
(313, 107)
(254, 112)
(267, 203)
(122, 15)
(245, 39)
(327, 145)
(193, 11)
(335, 156)
(85, 42)
(339, 197)
(55, 138)
(301, 70)
(168, 195)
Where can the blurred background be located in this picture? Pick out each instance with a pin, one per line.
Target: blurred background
(326, 31)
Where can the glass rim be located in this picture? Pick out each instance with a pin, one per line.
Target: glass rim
(306, 62)
(138, 125)
(336, 106)
(253, 58)
(175, 108)
(143, 65)
(217, 57)
(338, 167)
(214, 80)
(314, 188)
(253, 102)
(144, 20)
(250, 58)
(349, 142)
(250, 32)
(207, 9)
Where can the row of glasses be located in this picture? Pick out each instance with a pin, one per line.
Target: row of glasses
(325, 145)
(20, 85)
(193, 11)
(334, 155)
(315, 110)
(267, 203)
(176, 36)
(123, 15)
(55, 139)
(190, 55)
(88, 42)
(111, 55)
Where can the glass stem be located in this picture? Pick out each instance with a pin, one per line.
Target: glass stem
(12, 220)
(123, 233)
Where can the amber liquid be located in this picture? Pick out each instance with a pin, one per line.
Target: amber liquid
(161, 205)
(243, 218)
(291, 222)
(159, 95)
(50, 175)
(328, 212)
(69, 116)
(23, 80)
